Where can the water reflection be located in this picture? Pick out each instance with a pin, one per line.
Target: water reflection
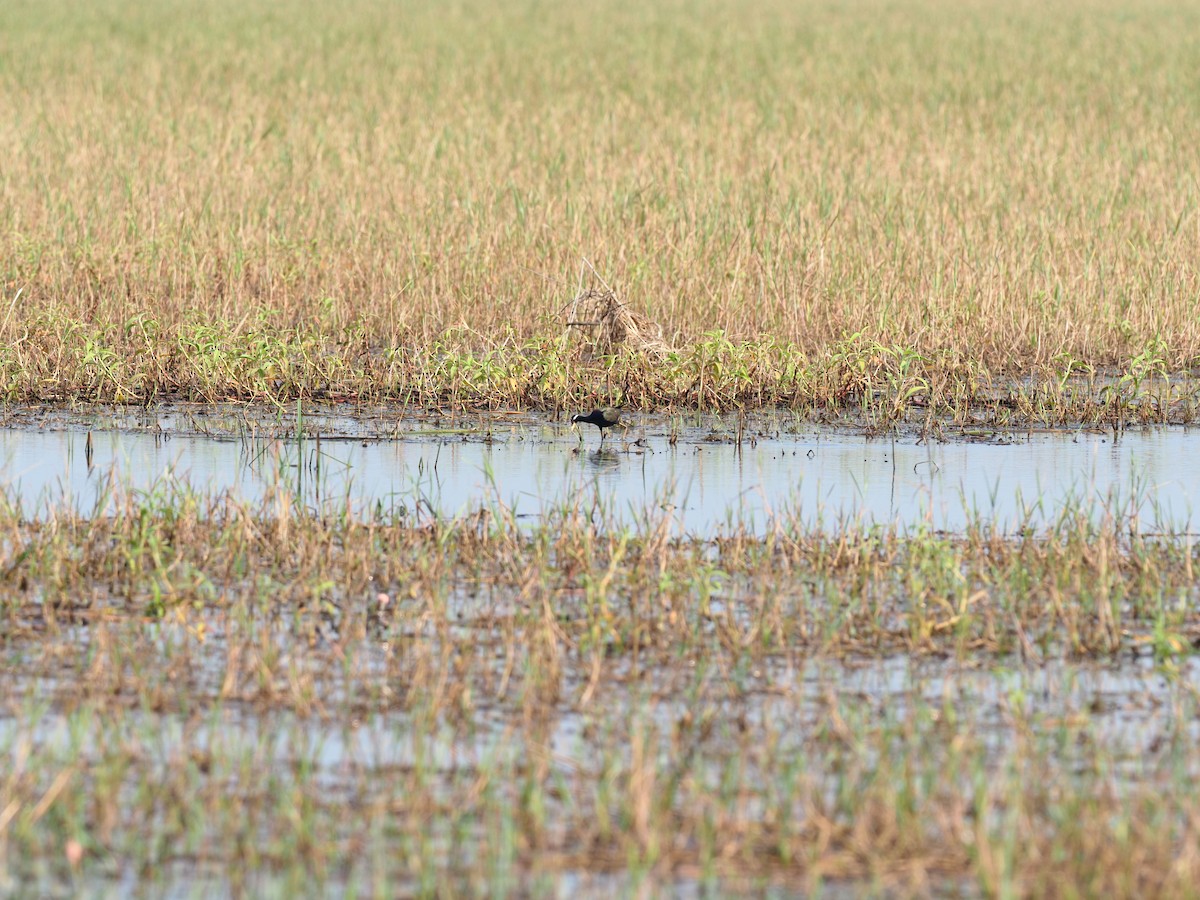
(816, 477)
(606, 460)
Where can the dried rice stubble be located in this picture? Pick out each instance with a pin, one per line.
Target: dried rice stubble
(612, 325)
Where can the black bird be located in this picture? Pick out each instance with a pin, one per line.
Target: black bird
(601, 418)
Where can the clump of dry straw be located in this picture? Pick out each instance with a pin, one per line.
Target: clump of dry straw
(611, 325)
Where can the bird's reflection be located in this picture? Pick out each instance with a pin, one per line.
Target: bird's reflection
(604, 460)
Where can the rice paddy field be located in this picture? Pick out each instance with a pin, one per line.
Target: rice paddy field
(306, 589)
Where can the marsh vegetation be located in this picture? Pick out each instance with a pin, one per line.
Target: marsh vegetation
(918, 221)
(201, 688)
(951, 206)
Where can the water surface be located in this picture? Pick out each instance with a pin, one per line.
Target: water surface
(703, 481)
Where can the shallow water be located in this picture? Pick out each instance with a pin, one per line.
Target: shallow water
(703, 480)
(1140, 716)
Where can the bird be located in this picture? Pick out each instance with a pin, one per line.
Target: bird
(601, 418)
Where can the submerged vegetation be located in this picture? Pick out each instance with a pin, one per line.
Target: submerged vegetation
(920, 216)
(202, 688)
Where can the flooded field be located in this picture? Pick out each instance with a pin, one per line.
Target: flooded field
(887, 589)
(381, 657)
(705, 476)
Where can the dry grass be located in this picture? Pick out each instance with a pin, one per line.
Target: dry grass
(995, 188)
(611, 327)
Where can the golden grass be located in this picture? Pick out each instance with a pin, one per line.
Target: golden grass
(998, 183)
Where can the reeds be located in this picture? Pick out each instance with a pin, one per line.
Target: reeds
(278, 202)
